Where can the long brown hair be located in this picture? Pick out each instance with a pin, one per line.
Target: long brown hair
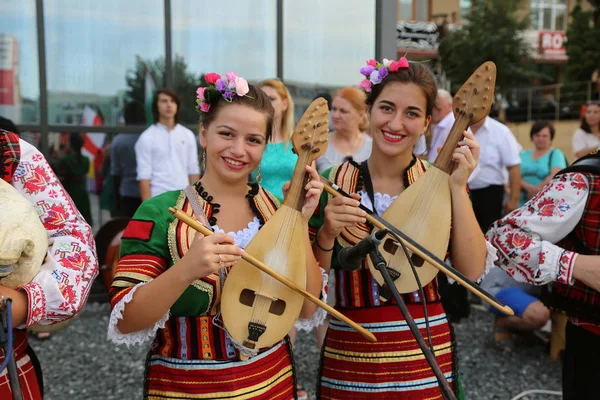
(287, 120)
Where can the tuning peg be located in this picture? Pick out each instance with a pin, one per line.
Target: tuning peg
(478, 75)
(315, 150)
(487, 67)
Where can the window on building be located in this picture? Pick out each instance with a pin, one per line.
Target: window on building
(19, 74)
(549, 15)
(405, 10)
(413, 10)
(243, 40)
(96, 53)
(324, 55)
(465, 9)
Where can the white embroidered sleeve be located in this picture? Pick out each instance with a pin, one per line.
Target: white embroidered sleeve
(525, 238)
(318, 317)
(61, 288)
(134, 338)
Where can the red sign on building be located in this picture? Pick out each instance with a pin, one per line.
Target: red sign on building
(552, 45)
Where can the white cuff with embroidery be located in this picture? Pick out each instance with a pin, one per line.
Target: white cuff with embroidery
(318, 317)
(134, 338)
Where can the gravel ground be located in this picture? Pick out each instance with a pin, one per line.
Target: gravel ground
(79, 363)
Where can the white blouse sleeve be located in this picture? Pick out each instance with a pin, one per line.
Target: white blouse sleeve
(61, 288)
(134, 338)
(525, 238)
(318, 317)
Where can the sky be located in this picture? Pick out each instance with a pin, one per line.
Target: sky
(91, 44)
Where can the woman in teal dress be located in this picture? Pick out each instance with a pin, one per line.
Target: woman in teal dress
(541, 163)
(72, 171)
(279, 160)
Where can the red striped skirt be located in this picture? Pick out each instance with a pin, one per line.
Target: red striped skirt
(26, 365)
(192, 358)
(394, 366)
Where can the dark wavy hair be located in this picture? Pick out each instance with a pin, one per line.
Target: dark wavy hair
(416, 73)
(255, 98)
(168, 92)
(584, 124)
(539, 125)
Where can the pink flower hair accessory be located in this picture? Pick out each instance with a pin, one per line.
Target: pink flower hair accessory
(232, 85)
(375, 71)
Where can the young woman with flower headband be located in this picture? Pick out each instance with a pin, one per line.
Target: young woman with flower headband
(400, 100)
(169, 280)
(279, 159)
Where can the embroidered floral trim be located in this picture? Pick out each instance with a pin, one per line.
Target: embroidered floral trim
(319, 316)
(134, 338)
(37, 303)
(253, 191)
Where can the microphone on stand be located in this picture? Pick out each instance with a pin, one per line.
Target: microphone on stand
(350, 258)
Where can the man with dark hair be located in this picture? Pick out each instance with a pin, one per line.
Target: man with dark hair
(7, 125)
(123, 165)
(166, 152)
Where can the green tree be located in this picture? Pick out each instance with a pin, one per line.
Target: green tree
(493, 33)
(184, 84)
(583, 46)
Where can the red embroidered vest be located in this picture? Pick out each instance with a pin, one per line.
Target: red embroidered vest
(580, 301)
(10, 154)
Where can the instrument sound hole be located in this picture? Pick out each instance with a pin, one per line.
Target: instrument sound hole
(417, 260)
(248, 296)
(390, 246)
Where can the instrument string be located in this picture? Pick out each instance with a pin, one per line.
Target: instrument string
(399, 261)
(278, 258)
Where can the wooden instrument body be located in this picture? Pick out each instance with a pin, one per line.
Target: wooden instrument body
(257, 310)
(424, 210)
(287, 257)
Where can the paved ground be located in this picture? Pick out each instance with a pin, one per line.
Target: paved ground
(79, 363)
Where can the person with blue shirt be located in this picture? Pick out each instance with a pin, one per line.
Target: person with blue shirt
(278, 161)
(123, 166)
(541, 163)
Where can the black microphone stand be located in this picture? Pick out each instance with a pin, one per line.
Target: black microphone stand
(381, 266)
(6, 343)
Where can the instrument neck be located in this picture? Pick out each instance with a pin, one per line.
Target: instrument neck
(444, 160)
(295, 196)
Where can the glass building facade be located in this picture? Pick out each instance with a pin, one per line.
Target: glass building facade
(68, 64)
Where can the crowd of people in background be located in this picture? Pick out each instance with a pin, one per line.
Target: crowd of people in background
(168, 156)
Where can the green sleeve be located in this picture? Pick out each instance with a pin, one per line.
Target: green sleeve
(150, 240)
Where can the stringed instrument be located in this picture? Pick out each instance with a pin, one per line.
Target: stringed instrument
(258, 310)
(423, 211)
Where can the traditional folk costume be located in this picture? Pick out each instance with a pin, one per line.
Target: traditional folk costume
(192, 356)
(539, 243)
(61, 288)
(394, 366)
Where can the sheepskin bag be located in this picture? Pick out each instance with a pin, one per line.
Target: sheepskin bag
(23, 238)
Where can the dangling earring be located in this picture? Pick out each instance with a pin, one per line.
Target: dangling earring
(203, 162)
(258, 176)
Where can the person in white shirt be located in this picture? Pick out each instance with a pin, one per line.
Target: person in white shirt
(166, 152)
(443, 118)
(499, 164)
(587, 138)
